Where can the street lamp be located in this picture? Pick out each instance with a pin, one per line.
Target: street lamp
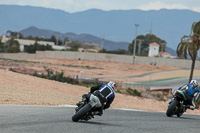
(136, 25)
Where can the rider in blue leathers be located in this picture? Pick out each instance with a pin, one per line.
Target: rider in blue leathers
(192, 93)
(105, 93)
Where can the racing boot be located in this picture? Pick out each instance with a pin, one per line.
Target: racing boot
(190, 107)
(98, 112)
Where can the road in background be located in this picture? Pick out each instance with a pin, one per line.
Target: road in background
(43, 119)
(167, 83)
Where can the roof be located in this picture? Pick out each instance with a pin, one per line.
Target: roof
(164, 53)
(154, 44)
(85, 45)
(31, 42)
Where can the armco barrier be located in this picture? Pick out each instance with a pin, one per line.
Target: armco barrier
(182, 63)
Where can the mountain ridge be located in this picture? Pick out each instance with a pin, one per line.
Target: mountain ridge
(115, 25)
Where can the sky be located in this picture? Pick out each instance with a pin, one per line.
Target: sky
(72, 6)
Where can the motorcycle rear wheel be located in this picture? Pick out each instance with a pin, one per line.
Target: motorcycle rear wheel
(83, 111)
(171, 108)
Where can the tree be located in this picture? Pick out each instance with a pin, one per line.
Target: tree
(75, 45)
(15, 34)
(146, 40)
(1, 46)
(66, 40)
(59, 42)
(56, 40)
(11, 46)
(190, 45)
(118, 51)
(33, 48)
(53, 39)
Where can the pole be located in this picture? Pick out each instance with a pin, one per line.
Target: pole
(18, 29)
(153, 64)
(140, 42)
(134, 49)
(102, 42)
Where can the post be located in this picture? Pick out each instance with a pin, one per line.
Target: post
(56, 40)
(139, 44)
(139, 47)
(153, 64)
(102, 42)
(134, 48)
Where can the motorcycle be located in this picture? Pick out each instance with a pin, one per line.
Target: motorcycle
(178, 104)
(87, 108)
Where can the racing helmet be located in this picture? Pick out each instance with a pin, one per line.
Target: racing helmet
(112, 85)
(194, 83)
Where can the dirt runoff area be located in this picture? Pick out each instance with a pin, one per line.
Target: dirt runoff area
(24, 89)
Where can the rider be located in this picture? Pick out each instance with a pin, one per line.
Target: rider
(105, 93)
(192, 92)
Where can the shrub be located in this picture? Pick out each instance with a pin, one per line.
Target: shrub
(118, 91)
(133, 92)
(33, 48)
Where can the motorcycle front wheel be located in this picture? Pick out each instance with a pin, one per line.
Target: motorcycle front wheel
(83, 111)
(171, 108)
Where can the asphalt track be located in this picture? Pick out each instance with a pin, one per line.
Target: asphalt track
(43, 119)
(171, 83)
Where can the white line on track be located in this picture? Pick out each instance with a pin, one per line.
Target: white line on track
(73, 106)
(116, 109)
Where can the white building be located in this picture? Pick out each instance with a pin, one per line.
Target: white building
(59, 47)
(153, 49)
(23, 43)
(165, 54)
(4, 38)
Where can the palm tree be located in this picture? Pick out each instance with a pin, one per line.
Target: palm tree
(190, 45)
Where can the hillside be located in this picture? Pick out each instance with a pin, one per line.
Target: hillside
(115, 25)
(23, 89)
(108, 44)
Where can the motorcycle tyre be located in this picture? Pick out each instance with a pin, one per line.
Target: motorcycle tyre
(171, 108)
(179, 115)
(81, 113)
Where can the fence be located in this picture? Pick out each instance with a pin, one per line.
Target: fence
(182, 63)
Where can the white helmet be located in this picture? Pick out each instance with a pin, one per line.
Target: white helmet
(112, 85)
(194, 83)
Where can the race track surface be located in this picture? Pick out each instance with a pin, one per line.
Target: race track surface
(171, 83)
(43, 119)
